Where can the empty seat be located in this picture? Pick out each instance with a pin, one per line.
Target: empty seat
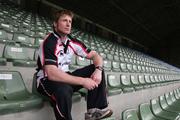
(130, 114)
(146, 113)
(114, 85)
(14, 95)
(159, 112)
(126, 83)
(115, 66)
(107, 65)
(167, 107)
(21, 38)
(18, 55)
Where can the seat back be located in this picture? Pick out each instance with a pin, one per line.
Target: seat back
(163, 102)
(130, 114)
(145, 112)
(12, 52)
(113, 80)
(12, 85)
(156, 109)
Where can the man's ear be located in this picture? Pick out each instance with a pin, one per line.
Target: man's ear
(54, 24)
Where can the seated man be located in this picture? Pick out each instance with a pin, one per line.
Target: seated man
(54, 79)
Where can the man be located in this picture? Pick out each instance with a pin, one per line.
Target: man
(54, 79)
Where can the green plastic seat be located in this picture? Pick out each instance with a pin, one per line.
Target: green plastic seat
(18, 55)
(113, 84)
(126, 83)
(167, 107)
(107, 65)
(3, 61)
(170, 101)
(115, 66)
(159, 112)
(135, 82)
(21, 38)
(14, 95)
(130, 114)
(146, 113)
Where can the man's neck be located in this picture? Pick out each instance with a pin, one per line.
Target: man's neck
(63, 37)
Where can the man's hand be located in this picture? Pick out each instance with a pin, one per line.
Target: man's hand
(89, 84)
(97, 76)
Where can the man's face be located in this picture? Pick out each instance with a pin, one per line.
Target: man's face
(63, 25)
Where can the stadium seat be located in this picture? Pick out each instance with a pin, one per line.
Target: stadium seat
(21, 38)
(130, 114)
(18, 55)
(115, 66)
(135, 82)
(167, 107)
(126, 83)
(159, 112)
(114, 85)
(14, 95)
(107, 65)
(146, 113)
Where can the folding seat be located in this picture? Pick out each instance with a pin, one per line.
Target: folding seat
(170, 102)
(122, 59)
(109, 56)
(123, 67)
(143, 68)
(19, 56)
(7, 27)
(14, 95)
(2, 60)
(135, 68)
(130, 114)
(115, 66)
(142, 80)
(126, 83)
(159, 112)
(147, 79)
(153, 81)
(167, 107)
(135, 82)
(3, 36)
(129, 67)
(116, 58)
(107, 65)
(139, 68)
(21, 38)
(113, 84)
(146, 113)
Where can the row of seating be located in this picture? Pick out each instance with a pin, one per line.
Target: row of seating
(165, 107)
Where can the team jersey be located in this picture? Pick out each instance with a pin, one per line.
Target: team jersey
(54, 51)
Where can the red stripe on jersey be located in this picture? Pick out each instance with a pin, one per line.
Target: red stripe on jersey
(84, 49)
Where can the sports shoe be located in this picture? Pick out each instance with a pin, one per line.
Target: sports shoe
(97, 114)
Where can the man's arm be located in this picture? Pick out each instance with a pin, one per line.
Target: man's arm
(97, 59)
(98, 62)
(56, 74)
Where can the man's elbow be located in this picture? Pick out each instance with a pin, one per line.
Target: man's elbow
(50, 71)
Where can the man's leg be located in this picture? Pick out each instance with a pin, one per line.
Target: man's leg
(97, 97)
(61, 98)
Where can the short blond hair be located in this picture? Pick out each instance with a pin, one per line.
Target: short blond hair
(60, 13)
